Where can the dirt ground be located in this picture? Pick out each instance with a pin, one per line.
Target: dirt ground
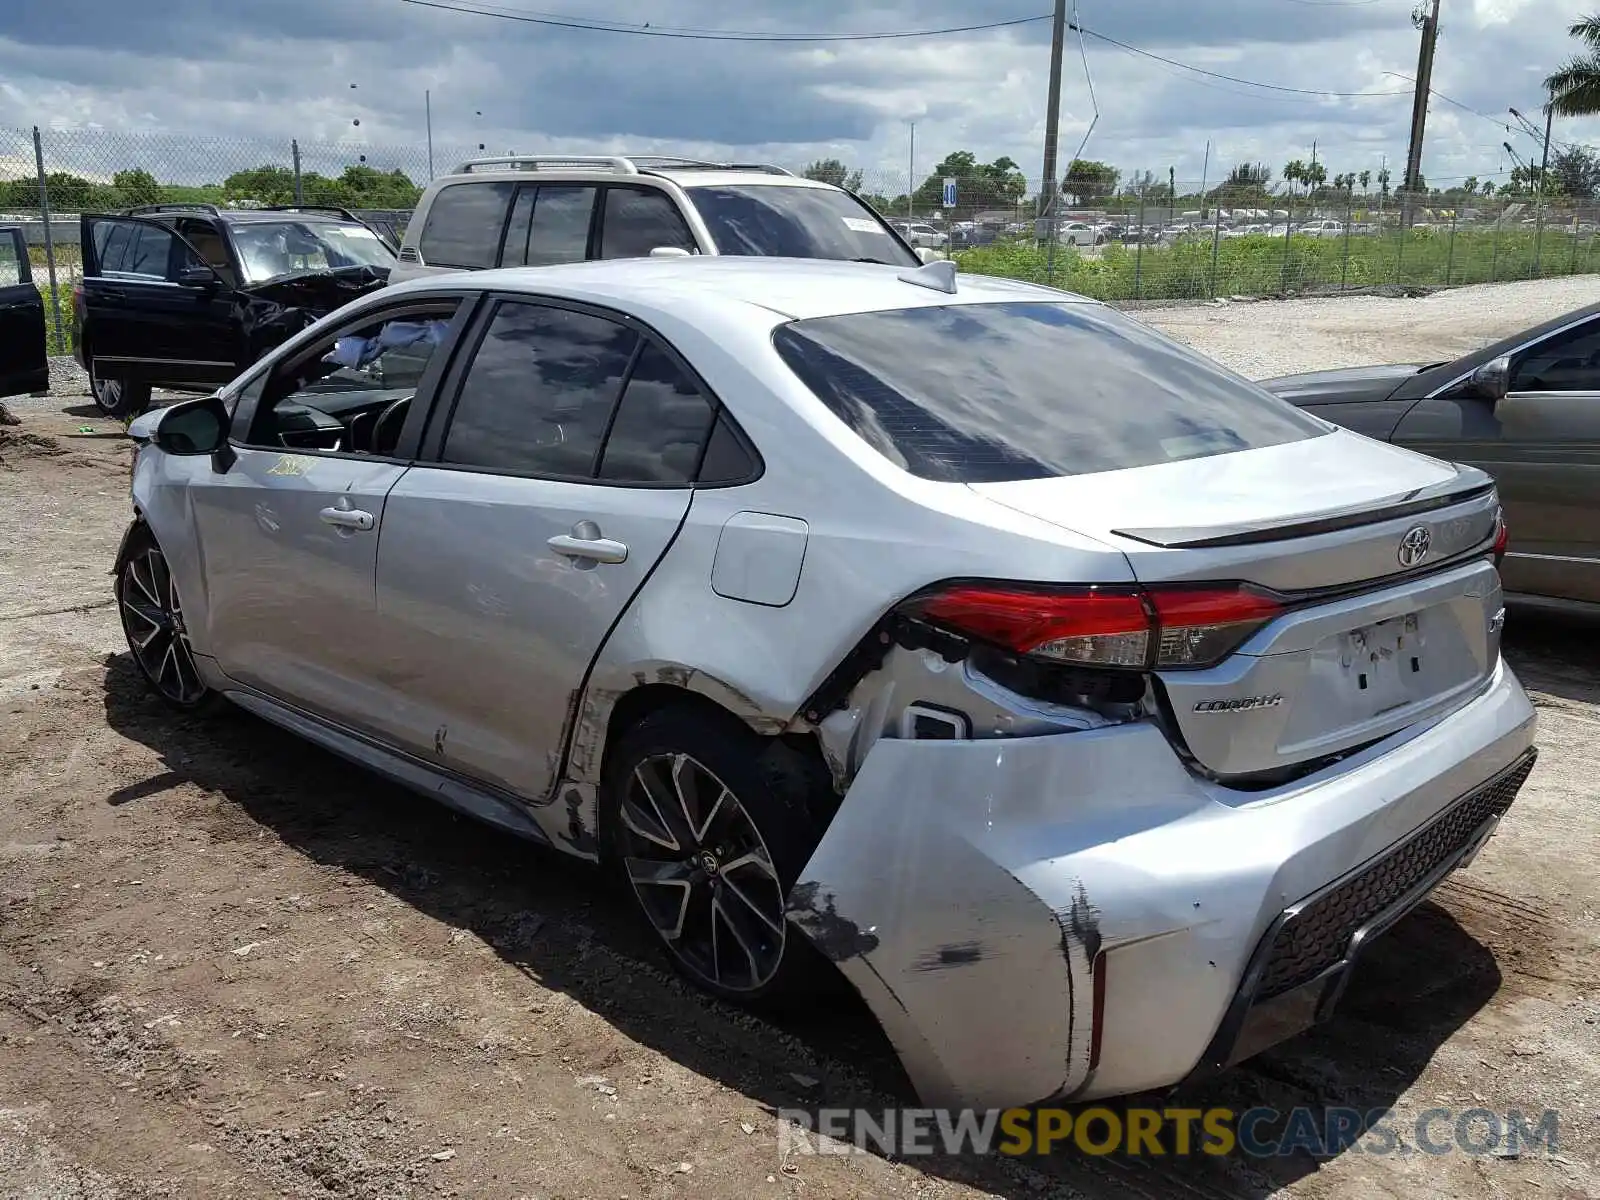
(233, 966)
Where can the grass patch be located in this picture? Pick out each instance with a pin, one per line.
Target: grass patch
(1258, 266)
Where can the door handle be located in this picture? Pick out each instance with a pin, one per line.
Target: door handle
(585, 542)
(347, 518)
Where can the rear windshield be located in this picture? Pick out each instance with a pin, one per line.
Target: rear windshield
(982, 393)
(772, 220)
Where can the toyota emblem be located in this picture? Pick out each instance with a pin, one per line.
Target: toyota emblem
(1414, 545)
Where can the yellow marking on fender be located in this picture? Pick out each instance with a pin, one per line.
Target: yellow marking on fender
(291, 464)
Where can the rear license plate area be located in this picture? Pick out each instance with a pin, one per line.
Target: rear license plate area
(1383, 664)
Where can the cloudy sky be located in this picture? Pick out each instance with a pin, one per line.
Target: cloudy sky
(198, 88)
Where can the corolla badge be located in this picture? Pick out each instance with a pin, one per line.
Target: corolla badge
(1242, 704)
(1414, 545)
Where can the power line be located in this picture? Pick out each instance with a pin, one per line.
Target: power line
(561, 21)
(594, 25)
(1272, 87)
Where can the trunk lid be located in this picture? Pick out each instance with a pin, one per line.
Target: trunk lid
(1384, 627)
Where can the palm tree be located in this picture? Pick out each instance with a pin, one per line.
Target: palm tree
(1488, 187)
(1293, 172)
(1575, 87)
(1366, 180)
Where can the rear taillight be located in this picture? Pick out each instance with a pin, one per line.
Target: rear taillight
(1175, 626)
(1502, 536)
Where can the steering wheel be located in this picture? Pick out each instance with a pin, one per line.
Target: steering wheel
(386, 430)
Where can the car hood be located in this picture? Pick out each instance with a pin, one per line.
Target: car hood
(1343, 386)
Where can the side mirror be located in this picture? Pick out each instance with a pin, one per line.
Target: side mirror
(1492, 380)
(193, 427)
(198, 277)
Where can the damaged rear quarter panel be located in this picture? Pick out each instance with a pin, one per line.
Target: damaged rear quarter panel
(956, 889)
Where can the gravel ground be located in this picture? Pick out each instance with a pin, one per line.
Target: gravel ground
(232, 966)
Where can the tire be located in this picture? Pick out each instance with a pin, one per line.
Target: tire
(710, 877)
(152, 621)
(117, 397)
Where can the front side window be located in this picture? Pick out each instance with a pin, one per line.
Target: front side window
(792, 221)
(638, 221)
(464, 224)
(1564, 362)
(351, 392)
(149, 251)
(538, 395)
(983, 393)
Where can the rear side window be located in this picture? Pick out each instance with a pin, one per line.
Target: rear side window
(464, 224)
(560, 229)
(539, 393)
(660, 426)
(982, 393)
(638, 221)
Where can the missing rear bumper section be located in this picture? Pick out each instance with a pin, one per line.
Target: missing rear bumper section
(1303, 963)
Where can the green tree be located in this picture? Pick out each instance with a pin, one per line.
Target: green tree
(1294, 171)
(999, 184)
(831, 170)
(1469, 185)
(1366, 181)
(1383, 180)
(362, 186)
(264, 185)
(136, 186)
(1576, 171)
(1087, 181)
(1574, 88)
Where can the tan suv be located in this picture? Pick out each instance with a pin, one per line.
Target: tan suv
(545, 209)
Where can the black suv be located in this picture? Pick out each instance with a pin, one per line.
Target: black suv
(186, 296)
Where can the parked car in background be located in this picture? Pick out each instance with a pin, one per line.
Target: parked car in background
(920, 235)
(539, 210)
(185, 296)
(1527, 411)
(1322, 229)
(24, 364)
(1081, 233)
(804, 597)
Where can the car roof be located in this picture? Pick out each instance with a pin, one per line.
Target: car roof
(794, 288)
(682, 176)
(258, 216)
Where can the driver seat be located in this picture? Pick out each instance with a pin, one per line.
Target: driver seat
(386, 430)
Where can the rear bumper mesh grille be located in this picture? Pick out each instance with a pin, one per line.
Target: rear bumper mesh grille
(1318, 936)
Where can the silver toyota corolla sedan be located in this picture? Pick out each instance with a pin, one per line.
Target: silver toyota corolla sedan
(1087, 706)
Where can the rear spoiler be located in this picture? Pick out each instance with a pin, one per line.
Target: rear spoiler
(1469, 483)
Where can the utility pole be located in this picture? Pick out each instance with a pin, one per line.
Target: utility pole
(1428, 23)
(427, 109)
(1049, 189)
(1549, 115)
(911, 172)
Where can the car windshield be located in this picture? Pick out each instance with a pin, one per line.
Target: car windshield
(983, 393)
(270, 249)
(774, 220)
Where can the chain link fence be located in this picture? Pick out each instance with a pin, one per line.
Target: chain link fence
(1207, 242)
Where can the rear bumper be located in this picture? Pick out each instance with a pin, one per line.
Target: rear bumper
(989, 898)
(1304, 960)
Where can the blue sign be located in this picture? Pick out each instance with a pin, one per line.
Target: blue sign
(949, 193)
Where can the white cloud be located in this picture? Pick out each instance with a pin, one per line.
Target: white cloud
(227, 84)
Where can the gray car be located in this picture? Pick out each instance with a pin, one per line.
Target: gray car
(1526, 410)
(967, 632)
